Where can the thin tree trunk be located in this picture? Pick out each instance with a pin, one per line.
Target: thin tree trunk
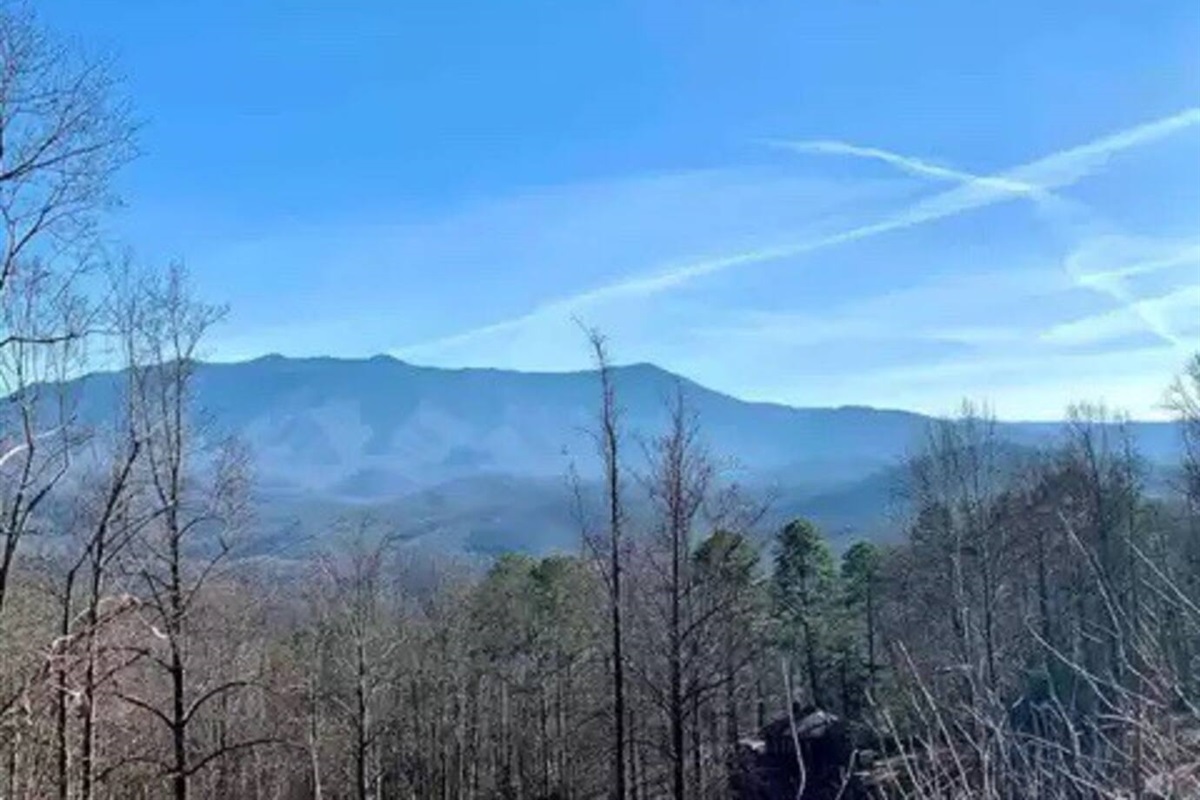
(610, 451)
(678, 780)
(636, 762)
(697, 767)
(179, 721)
(731, 710)
(361, 783)
(544, 727)
(63, 759)
(870, 635)
(814, 679)
(88, 736)
(989, 642)
(314, 750)
(179, 777)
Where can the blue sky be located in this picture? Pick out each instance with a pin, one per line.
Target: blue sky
(888, 203)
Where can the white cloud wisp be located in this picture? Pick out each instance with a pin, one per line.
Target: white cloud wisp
(1036, 180)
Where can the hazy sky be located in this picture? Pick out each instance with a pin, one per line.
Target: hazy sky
(810, 201)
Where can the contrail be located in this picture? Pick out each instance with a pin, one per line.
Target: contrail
(1050, 204)
(1058, 209)
(1035, 179)
(1110, 282)
(640, 286)
(909, 164)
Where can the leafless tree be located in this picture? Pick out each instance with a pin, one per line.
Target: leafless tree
(678, 480)
(1183, 400)
(609, 443)
(353, 606)
(105, 530)
(64, 131)
(196, 491)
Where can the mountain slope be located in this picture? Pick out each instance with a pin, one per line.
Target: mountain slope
(380, 425)
(467, 452)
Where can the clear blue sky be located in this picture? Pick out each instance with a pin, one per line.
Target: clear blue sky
(810, 201)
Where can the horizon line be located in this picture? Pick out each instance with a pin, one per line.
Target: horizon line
(388, 357)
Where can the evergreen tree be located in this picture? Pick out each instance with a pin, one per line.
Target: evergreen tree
(804, 585)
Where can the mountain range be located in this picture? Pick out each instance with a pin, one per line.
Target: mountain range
(477, 459)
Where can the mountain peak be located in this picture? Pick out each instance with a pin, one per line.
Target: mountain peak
(647, 368)
(332, 430)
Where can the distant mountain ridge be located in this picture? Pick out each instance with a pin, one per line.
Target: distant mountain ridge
(383, 431)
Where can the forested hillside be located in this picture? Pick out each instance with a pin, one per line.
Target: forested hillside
(1031, 628)
(1032, 634)
(473, 461)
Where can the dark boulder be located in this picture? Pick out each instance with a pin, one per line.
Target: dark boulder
(768, 768)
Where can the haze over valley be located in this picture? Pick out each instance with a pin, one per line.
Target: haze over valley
(479, 459)
(599, 400)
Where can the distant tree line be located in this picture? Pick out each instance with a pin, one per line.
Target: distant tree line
(1032, 630)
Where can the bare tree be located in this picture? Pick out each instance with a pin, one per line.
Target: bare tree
(360, 643)
(63, 133)
(105, 530)
(609, 444)
(679, 479)
(196, 491)
(1183, 400)
(955, 483)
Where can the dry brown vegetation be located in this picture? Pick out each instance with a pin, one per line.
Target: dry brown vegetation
(1034, 633)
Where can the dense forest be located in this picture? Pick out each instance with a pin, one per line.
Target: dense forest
(1032, 628)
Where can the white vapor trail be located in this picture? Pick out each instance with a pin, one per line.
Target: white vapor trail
(909, 164)
(1058, 209)
(1035, 180)
(1110, 280)
(1047, 202)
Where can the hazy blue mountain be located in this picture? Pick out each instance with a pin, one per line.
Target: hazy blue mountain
(476, 458)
